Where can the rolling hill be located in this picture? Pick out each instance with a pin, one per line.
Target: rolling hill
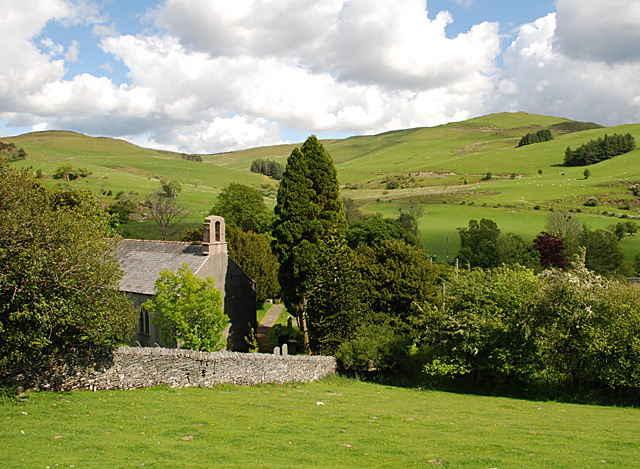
(443, 168)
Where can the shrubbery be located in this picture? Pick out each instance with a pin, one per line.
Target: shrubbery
(11, 152)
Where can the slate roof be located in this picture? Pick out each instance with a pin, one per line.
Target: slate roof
(143, 260)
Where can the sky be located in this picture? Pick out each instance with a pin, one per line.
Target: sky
(208, 76)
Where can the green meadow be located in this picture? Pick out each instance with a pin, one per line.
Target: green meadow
(443, 169)
(336, 422)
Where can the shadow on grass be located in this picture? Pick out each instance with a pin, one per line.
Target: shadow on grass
(524, 391)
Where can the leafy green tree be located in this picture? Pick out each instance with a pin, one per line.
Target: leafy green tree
(566, 319)
(514, 250)
(479, 244)
(58, 273)
(586, 173)
(253, 254)
(188, 309)
(170, 188)
(244, 207)
(309, 212)
(65, 172)
(603, 252)
(481, 330)
(372, 229)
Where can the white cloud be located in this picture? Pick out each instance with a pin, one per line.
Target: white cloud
(72, 52)
(552, 81)
(214, 76)
(594, 30)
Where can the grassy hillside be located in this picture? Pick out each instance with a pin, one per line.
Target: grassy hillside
(442, 168)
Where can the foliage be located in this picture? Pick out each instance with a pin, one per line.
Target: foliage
(244, 207)
(189, 157)
(374, 347)
(586, 173)
(351, 211)
(568, 228)
(623, 229)
(338, 300)
(543, 135)
(591, 202)
(68, 173)
(269, 168)
(11, 153)
(372, 229)
(599, 149)
(170, 187)
(513, 250)
(479, 244)
(58, 277)
(603, 252)
(481, 328)
(252, 252)
(126, 203)
(551, 249)
(188, 309)
(576, 325)
(401, 282)
(309, 213)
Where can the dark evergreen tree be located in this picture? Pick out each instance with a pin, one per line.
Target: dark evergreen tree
(599, 149)
(309, 213)
(252, 253)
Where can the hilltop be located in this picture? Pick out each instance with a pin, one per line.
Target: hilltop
(444, 168)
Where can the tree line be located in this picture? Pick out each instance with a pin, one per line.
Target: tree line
(360, 286)
(599, 149)
(543, 135)
(269, 168)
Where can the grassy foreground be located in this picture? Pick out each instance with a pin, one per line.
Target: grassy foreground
(332, 423)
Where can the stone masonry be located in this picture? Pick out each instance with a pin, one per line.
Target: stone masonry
(133, 367)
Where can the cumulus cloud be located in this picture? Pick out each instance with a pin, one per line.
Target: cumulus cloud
(215, 76)
(599, 31)
(541, 76)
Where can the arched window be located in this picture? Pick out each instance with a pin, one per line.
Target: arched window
(217, 232)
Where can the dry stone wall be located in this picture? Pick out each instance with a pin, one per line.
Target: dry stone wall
(130, 368)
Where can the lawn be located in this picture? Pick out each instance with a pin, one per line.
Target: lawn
(336, 422)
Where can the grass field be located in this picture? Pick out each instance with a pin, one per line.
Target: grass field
(336, 422)
(431, 165)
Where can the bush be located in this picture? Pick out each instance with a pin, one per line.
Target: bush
(58, 274)
(591, 202)
(375, 348)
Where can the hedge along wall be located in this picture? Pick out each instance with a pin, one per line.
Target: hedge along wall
(130, 368)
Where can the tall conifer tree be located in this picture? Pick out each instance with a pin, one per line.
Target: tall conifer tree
(309, 213)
